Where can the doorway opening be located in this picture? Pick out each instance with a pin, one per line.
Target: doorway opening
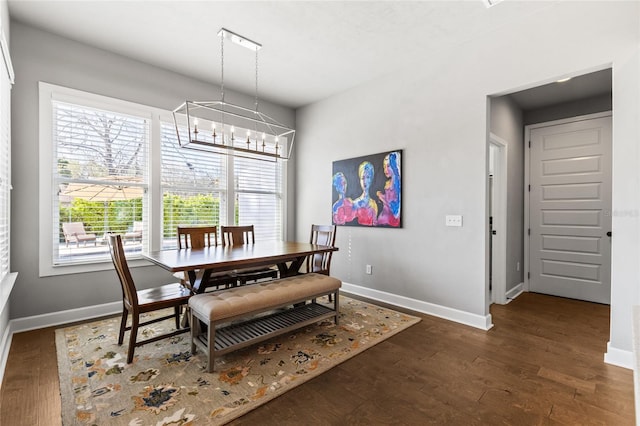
(509, 114)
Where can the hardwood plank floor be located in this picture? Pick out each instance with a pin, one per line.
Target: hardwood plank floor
(541, 364)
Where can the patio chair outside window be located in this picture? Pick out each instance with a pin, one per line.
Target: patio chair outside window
(74, 233)
(136, 232)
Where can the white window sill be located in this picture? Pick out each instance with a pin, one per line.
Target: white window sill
(5, 289)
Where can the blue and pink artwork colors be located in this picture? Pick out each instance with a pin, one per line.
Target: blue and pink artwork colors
(367, 190)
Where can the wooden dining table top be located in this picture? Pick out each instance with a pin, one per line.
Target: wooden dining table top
(225, 258)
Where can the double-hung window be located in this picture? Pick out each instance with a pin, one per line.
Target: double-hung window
(257, 196)
(109, 166)
(6, 80)
(200, 187)
(193, 186)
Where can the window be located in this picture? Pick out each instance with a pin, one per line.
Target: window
(101, 176)
(193, 186)
(113, 166)
(6, 80)
(258, 196)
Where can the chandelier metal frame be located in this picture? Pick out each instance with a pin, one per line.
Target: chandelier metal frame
(218, 119)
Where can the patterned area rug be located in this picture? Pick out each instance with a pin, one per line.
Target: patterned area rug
(166, 385)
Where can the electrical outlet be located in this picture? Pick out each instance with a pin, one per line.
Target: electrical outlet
(368, 270)
(453, 220)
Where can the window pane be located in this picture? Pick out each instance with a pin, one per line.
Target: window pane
(101, 176)
(5, 172)
(188, 208)
(97, 144)
(193, 187)
(258, 196)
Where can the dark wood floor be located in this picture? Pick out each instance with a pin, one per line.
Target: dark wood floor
(542, 363)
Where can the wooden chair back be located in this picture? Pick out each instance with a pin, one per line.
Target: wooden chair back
(129, 292)
(237, 235)
(197, 237)
(324, 235)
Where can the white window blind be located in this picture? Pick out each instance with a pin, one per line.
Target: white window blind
(258, 196)
(5, 169)
(114, 166)
(195, 189)
(100, 180)
(193, 186)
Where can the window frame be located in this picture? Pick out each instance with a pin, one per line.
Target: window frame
(7, 278)
(156, 116)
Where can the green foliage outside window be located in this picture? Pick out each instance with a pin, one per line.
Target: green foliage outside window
(200, 209)
(100, 217)
(118, 216)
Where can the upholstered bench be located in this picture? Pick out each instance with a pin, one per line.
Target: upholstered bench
(232, 320)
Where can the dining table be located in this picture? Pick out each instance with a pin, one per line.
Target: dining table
(288, 256)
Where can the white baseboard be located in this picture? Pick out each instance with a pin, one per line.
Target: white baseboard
(49, 320)
(462, 317)
(514, 292)
(64, 317)
(619, 357)
(5, 345)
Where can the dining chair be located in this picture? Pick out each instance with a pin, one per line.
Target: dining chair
(198, 237)
(240, 235)
(320, 263)
(237, 235)
(137, 302)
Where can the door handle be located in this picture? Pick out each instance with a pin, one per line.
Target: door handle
(493, 232)
(609, 234)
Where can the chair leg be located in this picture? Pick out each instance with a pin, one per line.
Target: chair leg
(176, 310)
(123, 325)
(135, 320)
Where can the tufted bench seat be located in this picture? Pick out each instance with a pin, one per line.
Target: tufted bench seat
(219, 311)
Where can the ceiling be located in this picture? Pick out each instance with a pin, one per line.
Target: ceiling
(311, 49)
(580, 87)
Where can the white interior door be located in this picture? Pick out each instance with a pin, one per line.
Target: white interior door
(570, 206)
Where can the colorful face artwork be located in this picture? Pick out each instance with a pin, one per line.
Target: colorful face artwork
(361, 209)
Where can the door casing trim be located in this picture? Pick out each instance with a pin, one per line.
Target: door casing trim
(499, 244)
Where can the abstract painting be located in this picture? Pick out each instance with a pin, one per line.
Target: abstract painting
(367, 191)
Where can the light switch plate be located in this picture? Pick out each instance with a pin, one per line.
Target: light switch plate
(454, 220)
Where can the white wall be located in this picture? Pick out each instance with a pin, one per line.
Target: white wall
(41, 56)
(436, 110)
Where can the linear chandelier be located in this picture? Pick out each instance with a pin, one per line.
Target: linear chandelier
(223, 127)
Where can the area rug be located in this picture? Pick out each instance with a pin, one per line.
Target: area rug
(166, 385)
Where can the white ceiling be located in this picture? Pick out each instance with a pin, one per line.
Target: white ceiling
(311, 50)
